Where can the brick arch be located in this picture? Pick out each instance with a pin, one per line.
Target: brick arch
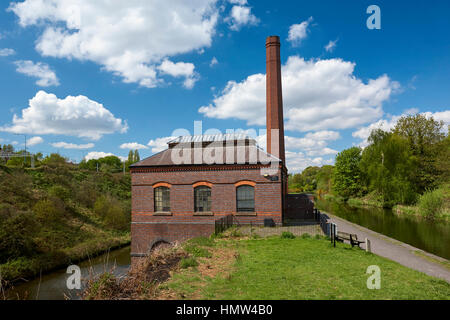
(157, 242)
(245, 183)
(162, 184)
(202, 183)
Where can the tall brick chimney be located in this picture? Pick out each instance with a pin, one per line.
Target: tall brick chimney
(274, 99)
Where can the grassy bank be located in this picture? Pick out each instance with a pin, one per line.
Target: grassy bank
(56, 215)
(275, 268)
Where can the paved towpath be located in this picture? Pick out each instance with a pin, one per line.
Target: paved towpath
(395, 250)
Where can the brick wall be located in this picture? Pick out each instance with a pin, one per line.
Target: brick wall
(183, 224)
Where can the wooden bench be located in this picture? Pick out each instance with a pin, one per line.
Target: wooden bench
(352, 238)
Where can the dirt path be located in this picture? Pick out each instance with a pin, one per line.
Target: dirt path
(397, 251)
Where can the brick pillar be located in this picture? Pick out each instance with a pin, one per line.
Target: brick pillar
(274, 99)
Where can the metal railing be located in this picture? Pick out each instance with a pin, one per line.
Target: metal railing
(222, 224)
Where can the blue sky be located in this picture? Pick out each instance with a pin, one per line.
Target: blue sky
(87, 79)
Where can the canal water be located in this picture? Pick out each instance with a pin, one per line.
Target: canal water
(53, 286)
(433, 237)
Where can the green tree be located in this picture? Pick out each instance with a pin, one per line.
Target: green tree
(387, 166)
(324, 178)
(54, 159)
(347, 174)
(442, 162)
(137, 158)
(424, 136)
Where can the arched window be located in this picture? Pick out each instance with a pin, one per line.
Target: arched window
(245, 198)
(202, 199)
(162, 199)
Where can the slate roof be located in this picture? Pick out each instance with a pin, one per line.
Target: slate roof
(243, 151)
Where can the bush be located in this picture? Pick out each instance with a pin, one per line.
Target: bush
(188, 262)
(60, 192)
(287, 235)
(49, 210)
(112, 212)
(306, 236)
(235, 233)
(16, 236)
(431, 203)
(86, 194)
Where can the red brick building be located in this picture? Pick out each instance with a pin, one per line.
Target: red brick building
(180, 192)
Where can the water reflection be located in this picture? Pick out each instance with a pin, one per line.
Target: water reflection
(52, 286)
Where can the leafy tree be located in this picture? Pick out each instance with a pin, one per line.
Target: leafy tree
(424, 136)
(54, 159)
(388, 165)
(131, 157)
(347, 174)
(324, 178)
(137, 158)
(105, 164)
(442, 162)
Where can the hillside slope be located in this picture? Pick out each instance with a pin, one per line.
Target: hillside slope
(57, 214)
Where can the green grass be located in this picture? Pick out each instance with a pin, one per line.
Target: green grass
(276, 268)
(188, 262)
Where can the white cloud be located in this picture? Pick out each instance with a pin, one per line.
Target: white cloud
(322, 152)
(213, 62)
(66, 145)
(73, 116)
(439, 116)
(34, 141)
(46, 76)
(317, 94)
(6, 52)
(97, 155)
(133, 146)
(240, 2)
(298, 32)
(313, 144)
(240, 16)
(388, 124)
(180, 69)
(159, 144)
(331, 45)
(128, 38)
(324, 135)
(297, 161)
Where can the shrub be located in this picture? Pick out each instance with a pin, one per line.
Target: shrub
(235, 233)
(287, 235)
(60, 192)
(306, 236)
(16, 236)
(112, 212)
(431, 203)
(49, 210)
(188, 262)
(86, 194)
(101, 206)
